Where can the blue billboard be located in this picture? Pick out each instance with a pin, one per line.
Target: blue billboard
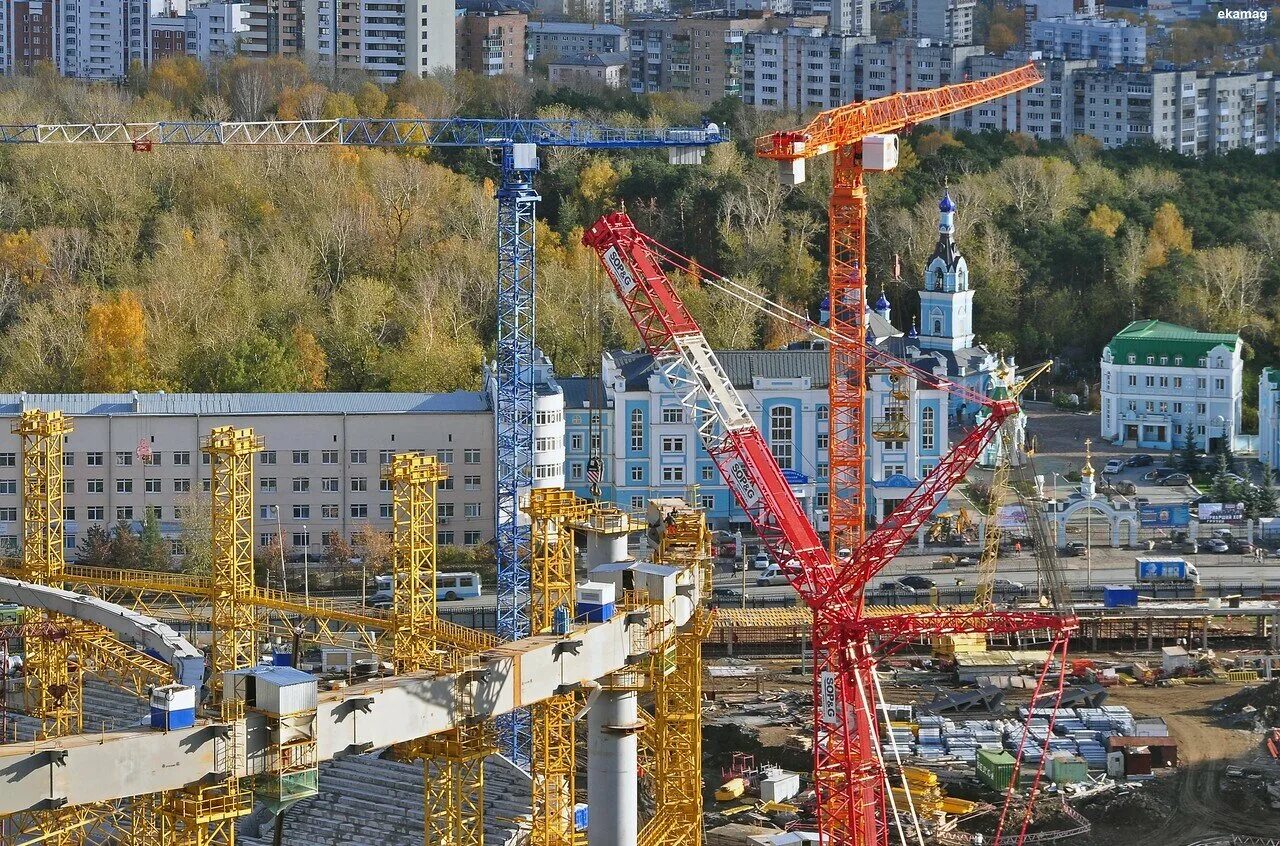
(1165, 515)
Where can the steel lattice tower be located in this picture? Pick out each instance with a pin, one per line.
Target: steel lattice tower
(513, 413)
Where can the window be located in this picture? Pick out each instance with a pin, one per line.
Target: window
(1219, 384)
(1133, 381)
(824, 441)
(301, 456)
(359, 484)
(1164, 359)
(1149, 381)
(155, 459)
(575, 443)
(8, 486)
(302, 512)
(384, 484)
(384, 511)
(637, 503)
(707, 473)
(471, 538)
(68, 459)
(93, 459)
(824, 412)
(637, 430)
(329, 512)
(673, 444)
(472, 456)
(1150, 405)
(96, 486)
(124, 512)
(444, 511)
(124, 485)
(182, 459)
(1177, 408)
(205, 484)
(124, 459)
(329, 456)
(8, 515)
(267, 484)
(444, 538)
(359, 510)
(1200, 383)
(471, 483)
(547, 471)
(780, 436)
(302, 539)
(637, 472)
(329, 484)
(359, 456)
(447, 484)
(708, 502)
(1133, 359)
(301, 485)
(927, 427)
(672, 475)
(1177, 381)
(151, 485)
(546, 418)
(444, 456)
(266, 539)
(385, 456)
(204, 459)
(471, 510)
(824, 470)
(69, 513)
(673, 414)
(822, 498)
(1203, 361)
(95, 512)
(1200, 408)
(267, 457)
(1151, 359)
(575, 471)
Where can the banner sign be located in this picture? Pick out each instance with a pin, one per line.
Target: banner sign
(1221, 512)
(1165, 515)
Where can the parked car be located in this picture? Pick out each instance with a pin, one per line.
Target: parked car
(1139, 460)
(1072, 549)
(908, 584)
(726, 594)
(1115, 465)
(1174, 479)
(1242, 547)
(772, 576)
(1159, 473)
(381, 600)
(1214, 545)
(761, 561)
(1008, 586)
(1125, 487)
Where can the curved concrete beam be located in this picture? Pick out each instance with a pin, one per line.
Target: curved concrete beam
(129, 626)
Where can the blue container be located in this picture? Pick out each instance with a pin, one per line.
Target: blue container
(282, 659)
(580, 816)
(163, 720)
(562, 620)
(1119, 596)
(593, 613)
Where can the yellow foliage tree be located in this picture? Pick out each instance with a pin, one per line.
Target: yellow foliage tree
(1104, 219)
(1000, 39)
(933, 143)
(22, 257)
(311, 359)
(339, 105)
(597, 188)
(115, 344)
(371, 101)
(1169, 229)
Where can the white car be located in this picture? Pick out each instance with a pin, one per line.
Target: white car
(1115, 465)
(761, 561)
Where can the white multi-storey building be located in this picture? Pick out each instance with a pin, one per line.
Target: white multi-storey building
(798, 69)
(387, 40)
(1163, 384)
(946, 21)
(1107, 41)
(205, 32)
(320, 473)
(1269, 417)
(909, 64)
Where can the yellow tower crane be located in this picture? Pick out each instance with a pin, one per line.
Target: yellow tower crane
(675, 736)
(552, 766)
(413, 477)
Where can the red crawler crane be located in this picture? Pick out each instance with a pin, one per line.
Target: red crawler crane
(849, 773)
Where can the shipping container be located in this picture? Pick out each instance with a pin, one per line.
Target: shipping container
(1119, 596)
(1137, 760)
(1067, 769)
(995, 768)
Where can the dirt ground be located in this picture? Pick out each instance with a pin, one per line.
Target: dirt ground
(1176, 809)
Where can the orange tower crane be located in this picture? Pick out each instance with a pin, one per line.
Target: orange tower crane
(860, 135)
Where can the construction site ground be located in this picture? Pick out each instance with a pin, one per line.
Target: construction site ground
(1197, 800)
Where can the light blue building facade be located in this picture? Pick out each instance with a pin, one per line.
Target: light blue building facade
(648, 447)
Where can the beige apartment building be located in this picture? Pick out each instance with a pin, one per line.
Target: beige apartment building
(319, 475)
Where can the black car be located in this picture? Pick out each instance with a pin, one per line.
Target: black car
(726, 594)
(1139, 460)
(917, 582)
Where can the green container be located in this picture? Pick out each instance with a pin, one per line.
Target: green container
(1067, 769)
(995, 768)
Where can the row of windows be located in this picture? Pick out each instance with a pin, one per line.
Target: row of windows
(1219, 384)
(182, 458)
(303, 539)
(1202, 361)
(781, 427)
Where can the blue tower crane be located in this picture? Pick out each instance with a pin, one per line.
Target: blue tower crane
(517, 142)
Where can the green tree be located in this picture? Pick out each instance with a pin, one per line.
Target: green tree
(94, 548)
(1266, 496)
(196, 515)
(126, 547)
(153, 553)
(256, 362)
(1187, 460)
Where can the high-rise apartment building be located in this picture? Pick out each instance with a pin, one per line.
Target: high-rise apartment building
(205, 32)
(561, 39)
(1109, 42)
(909, 64)
(491, 43)
(90, 39)
(30, 33)
(385, 39)
(850, 17)
(798, 69)
(945, 21)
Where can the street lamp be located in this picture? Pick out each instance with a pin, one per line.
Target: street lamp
(284, 577)
(306, 563)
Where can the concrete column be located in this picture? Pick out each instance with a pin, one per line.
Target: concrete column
(1204, 634)
(612, 777)
(605, 548)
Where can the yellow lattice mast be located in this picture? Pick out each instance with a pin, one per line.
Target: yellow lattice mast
(676, 736)
(552, 766)
(231, 452)
(42, 434)
(413, 477)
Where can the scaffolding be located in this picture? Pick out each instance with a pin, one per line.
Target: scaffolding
(413, 477)
(674, 733)
(552, 560)
(453, 784)
(231, 452)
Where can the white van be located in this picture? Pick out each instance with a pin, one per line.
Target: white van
(772, 576)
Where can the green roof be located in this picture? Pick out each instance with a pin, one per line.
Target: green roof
(1271, 375)
(1143, 338)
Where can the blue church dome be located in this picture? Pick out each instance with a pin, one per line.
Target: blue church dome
(882, 304)
(913, 334)
(947, 205)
